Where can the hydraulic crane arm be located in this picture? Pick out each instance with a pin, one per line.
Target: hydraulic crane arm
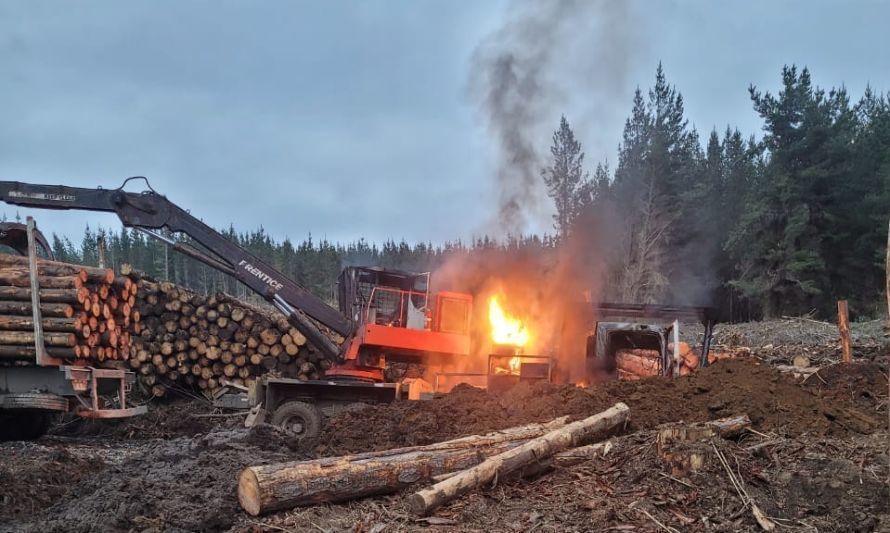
(151, 211)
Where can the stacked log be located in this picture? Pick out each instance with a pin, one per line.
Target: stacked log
(87, 314)
(690, 359)
(636, 363)
(210, 342)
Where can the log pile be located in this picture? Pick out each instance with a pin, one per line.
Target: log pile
(636, 363)
(690, 358)
(210, 342)
(88, 314)
(472, 462)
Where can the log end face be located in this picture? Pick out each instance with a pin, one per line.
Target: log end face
(249, 492)
(418, 504)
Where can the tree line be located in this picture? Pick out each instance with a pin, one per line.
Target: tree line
(784, 225)
(781, 225)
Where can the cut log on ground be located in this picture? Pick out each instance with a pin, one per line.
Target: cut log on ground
(266, 488)
(572, 435)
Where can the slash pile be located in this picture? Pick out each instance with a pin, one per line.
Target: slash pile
(213, 341)
(87, 313)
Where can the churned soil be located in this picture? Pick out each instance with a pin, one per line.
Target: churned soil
(774, 401)
(176, 470)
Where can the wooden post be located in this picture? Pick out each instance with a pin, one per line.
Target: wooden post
(887, 278)
(39, 347)
(887, 274)
(843, 326)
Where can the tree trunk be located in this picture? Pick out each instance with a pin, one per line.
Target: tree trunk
(26, 323)
(572, 435)
(638, 362)
(27, 338)
(47, 310)
(46, 295)
(282, 486)
(22, 278)
(55, 268)
(28, 352)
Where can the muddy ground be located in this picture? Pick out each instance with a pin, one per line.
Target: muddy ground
(816, 461)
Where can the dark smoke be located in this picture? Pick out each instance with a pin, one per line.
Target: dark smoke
(548, 58)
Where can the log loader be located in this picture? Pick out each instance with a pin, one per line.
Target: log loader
(384, 315)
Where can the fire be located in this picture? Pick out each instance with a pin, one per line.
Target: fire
(505, 329)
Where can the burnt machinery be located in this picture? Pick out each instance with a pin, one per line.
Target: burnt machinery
(617, 326)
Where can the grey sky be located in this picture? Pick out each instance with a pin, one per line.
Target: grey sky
(352, 120)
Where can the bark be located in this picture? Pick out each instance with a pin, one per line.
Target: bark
(56, 268)
(46, 295)
(26, 323)
(572, 435)
(28, 353)
(58, 310)
(282, 486)
(636, 363)
(843, 326)
(22, 278)
(27, 338)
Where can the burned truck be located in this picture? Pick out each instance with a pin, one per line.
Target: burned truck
(631, 341)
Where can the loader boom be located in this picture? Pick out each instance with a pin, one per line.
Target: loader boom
(148, 210)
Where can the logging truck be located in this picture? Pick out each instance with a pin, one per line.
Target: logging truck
(35, 382)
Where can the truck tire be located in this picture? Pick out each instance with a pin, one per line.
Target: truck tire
(301, 419)
(24, 425)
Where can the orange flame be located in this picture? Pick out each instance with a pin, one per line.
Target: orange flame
(506, 329)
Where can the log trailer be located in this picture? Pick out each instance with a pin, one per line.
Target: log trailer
(384, 315)
(31, 393)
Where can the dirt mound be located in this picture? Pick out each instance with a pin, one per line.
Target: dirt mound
(860, 384)
(774, 401)
(464, 411)
(32, 478)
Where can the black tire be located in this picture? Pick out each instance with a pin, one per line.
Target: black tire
(24, 425)
(301, 419)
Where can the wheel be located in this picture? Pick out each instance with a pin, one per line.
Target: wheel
(24, 425)
(299, 418)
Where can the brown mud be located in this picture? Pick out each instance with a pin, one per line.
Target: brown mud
(773, 400)
(176, 470)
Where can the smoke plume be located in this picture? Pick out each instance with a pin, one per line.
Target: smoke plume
(548, 58)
